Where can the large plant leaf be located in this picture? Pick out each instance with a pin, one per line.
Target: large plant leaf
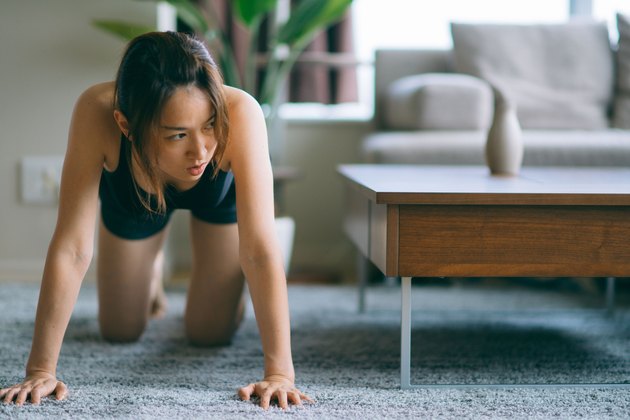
(248, 11)
(125, 30)
(309, 16)
(191, 14)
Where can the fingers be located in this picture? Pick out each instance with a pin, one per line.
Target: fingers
(35, 389)
(306, 398)
(61, 391)
(21, 396)
(269, 392)
(246, 392)
(282, 400)
(294, 397)
(10, 394)
(265, 399)
(36, 396)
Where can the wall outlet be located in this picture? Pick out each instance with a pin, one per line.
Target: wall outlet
(40, 179)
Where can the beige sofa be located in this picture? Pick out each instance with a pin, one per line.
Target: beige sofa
(571, 88)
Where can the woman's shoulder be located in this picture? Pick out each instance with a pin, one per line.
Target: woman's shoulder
(98, 97)
(240, 102)
(93, 120)
(248, 130)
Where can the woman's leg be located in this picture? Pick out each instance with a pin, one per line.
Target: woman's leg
(129, 274)
(158, 303)
(215, 302)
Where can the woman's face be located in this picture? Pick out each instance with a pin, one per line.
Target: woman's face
(186, 137)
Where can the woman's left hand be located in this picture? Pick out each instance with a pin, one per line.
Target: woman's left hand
(276, 388)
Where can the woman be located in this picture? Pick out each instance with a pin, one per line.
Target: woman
(166, 134)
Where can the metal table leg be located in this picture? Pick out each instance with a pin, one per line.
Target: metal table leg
(405, 352)
(405, 334)
(362, 274)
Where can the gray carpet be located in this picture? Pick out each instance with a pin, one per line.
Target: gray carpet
(347, 361)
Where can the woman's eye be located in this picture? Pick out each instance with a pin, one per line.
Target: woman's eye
(177, 136)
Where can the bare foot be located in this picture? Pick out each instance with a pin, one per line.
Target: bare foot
(158, 301)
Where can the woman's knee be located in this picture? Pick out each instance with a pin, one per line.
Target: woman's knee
(121, 331)
(209, 334)
(202, 339)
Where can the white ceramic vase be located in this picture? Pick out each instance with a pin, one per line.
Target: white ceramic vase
(504, 146)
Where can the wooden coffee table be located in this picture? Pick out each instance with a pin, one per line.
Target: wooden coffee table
(460, 221)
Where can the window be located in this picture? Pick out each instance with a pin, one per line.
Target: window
(425, 24)
(413, 23)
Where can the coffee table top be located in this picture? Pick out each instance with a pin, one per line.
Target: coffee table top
(426, 184)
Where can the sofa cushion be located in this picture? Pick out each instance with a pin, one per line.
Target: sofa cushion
(438, 101)
(622, 98)
(608, 147)
(558, 75)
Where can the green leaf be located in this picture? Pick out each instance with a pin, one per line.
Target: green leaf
(125, 30)
(250, 10)
(310, 16)
(191, 14)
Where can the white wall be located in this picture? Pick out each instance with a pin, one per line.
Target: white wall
(49, 53)
(316, 200)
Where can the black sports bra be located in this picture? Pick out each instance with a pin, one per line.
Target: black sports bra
(117, 189)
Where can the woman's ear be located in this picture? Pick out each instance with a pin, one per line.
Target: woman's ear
(122, 122)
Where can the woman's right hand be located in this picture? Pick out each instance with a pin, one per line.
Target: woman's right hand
(36, 386)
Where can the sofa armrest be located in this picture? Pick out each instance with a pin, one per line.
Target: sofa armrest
(437, 101)
(393, 64)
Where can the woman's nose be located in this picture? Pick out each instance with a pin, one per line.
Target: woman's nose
(198, 147)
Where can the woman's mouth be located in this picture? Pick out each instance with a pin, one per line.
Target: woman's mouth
(197, 169)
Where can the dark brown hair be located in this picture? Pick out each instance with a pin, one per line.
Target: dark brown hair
(153, 66)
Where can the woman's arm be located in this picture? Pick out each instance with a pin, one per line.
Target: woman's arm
(70, 250)
(260, 255)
